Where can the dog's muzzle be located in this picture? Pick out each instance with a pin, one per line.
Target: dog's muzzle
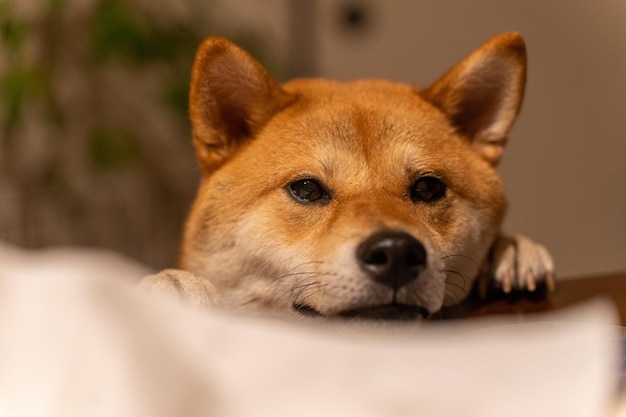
(388, 257)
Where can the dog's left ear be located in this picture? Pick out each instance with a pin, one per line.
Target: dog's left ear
(482, 94)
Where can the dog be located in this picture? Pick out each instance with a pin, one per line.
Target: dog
(366, 199)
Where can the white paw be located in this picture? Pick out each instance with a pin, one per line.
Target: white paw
(181, 285)
(518, 263)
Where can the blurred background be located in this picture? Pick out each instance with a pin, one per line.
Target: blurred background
(95, 145)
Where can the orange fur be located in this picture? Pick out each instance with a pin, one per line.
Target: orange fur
(366, 142)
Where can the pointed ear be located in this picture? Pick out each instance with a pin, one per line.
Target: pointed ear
(482, 94)
(231, 98)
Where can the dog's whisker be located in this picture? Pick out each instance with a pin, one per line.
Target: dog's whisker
(304, 286)
(328, 274)
(451, 296)
(455, 272)
(305, 283)
(464, 279)
(305, 291)
(469, 258)
(311, 263)
(455, 285)
(248, 302)
(282, 277)
(454, 307)
(294, 274)
(309, 279)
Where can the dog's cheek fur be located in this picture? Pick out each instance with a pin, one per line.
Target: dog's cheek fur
(257, 254)
(463, 248)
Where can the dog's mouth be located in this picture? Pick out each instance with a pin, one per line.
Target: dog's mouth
(392, 311)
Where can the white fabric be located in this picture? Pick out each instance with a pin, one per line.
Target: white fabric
(85, 344)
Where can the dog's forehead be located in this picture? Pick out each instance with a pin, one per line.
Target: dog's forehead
(369, 98)
(368, 111)
(365, 121)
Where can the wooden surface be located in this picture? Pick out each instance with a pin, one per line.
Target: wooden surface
(569, 292)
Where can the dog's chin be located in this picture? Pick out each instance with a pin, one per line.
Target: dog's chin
(394, 311)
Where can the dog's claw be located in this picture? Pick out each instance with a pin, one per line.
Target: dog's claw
(551, 282)
(531, 285)
(518, 263)
(506, 283)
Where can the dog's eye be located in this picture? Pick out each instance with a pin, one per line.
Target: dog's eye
(427, 190)
(308, 191)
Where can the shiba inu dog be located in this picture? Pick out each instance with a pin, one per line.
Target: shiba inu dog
(367, 199)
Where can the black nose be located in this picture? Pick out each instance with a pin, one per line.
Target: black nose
(392, 258)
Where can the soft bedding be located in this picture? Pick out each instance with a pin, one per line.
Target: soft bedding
(76, 339)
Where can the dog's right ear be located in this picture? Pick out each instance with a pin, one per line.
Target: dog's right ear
(231, 98)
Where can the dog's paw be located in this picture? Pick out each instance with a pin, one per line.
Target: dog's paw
(181, 285)
(518, 263)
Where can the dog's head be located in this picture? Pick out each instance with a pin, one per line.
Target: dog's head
(367, 198)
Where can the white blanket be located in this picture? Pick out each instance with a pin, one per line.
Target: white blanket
(80, 342)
